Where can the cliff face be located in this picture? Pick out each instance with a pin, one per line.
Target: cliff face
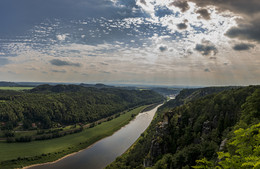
(158, 148)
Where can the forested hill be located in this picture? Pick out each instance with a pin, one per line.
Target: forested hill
(187, 95)
(196, 126)
(48, 105)
(2, 83)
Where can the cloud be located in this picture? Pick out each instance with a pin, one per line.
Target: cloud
(18, 21)
(162, 11)
(237, 6)
(61, 37)
(4, 61)
(58, 62)
(163, 48)
(11, 72)
(182, 26)
(212, 58)
(183, 5)
(105, 64)
(206, 70)
(246, 31)
(206, 48)
(32, 68)
(143, 2)
(248, 27)
(105, 72)
(58, 71)
(84, 74)
(204, 13)
(243, 46)
(92, 55)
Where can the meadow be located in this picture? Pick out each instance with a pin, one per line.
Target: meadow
(18, 155)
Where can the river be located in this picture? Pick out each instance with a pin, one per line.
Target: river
(105, 151)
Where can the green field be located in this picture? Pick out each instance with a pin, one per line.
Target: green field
(16, 88)
(16, 155)
(32, 133)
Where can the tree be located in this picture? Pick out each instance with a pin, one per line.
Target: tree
(243, 152)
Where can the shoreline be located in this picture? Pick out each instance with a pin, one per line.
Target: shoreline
(71, 154)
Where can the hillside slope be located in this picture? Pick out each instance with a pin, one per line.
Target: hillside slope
(48, 105)
(196, 125)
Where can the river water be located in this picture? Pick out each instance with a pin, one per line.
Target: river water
(105, 151)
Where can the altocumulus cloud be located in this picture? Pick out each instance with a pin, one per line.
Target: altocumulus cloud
(206, 48)
(183, 5)
(204, 13)
(181, 26)
(143, 2)
(163, 48)
(58, 62)
(17, 15)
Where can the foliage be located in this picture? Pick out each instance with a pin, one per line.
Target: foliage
(47, 105)
(251, 108)
(244, 151)
(16, 155)
(199, 120)
(203, 164)
(15, 88)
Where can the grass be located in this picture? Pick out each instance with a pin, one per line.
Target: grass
(142, 89)
(16, 88)
(34, 132)
(15, 155)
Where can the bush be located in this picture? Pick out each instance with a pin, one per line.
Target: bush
(39, 132)
(92, 125)
(24, 139)
(110, 118)
(9, 134)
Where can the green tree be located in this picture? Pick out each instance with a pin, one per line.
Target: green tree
(244, 151)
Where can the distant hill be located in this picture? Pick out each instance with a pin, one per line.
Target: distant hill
(33, 84)
(8, 84)
(166, 91)
(18, 84)
(98, 85)
(57, 88)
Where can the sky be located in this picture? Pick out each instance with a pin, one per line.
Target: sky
(160, 42)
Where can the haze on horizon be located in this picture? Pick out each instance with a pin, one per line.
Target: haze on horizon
(169, 42)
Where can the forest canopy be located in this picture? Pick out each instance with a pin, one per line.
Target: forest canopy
(207, 125)
(48, 105)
